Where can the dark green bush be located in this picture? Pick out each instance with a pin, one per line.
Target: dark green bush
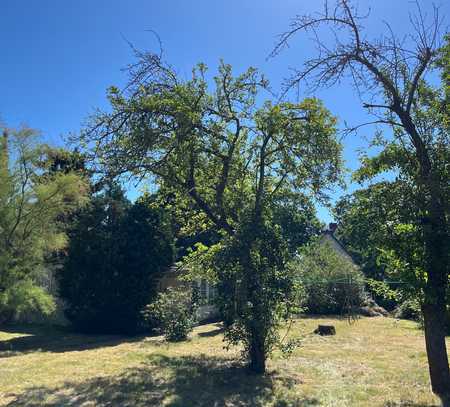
(173, 313)
(117, 251)
(333, 284)
(409, 309)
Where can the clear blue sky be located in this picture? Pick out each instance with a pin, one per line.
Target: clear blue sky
(58, 57)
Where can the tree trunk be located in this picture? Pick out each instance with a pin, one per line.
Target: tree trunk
(434, 314)
(437, 247)
(257, 350)
(256, 326)
(434, 319)
(257, 354)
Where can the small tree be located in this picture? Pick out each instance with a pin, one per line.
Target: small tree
(31, 208)
(232, 158)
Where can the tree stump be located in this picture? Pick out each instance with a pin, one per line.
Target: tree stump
(325, 330)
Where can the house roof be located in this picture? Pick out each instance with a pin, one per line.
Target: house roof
(330, 235)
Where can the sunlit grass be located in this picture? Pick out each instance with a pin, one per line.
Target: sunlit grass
(373, 362)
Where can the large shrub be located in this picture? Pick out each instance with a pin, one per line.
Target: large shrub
(173, 313)
(22, 298)
(332, 282)
(409, 309)
(117, 251)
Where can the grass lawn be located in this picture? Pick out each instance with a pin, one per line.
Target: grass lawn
(373, 362)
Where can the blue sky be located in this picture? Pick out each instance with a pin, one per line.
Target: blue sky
(58, 57)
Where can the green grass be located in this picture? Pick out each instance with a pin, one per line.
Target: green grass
(373, 362)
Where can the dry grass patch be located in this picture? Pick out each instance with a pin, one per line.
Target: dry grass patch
(373, 362)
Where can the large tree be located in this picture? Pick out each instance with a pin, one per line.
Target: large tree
(232, 157)
(116, 253)
(390, 75)
(32, 206)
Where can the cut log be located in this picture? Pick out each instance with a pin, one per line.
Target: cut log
(325, 330)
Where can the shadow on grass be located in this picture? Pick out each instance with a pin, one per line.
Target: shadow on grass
(339, 317)
(52, 339)
(407, 404)
(218, 330)
(180, 381)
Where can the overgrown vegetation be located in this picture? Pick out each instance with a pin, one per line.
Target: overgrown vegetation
(237, 175)
(332, 283)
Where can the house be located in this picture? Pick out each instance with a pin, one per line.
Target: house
(329, 237)
(171, 278)
(208, 292)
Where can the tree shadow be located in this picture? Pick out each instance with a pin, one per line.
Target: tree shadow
(339, 317)
(407, 404)
(218, 330)
(55, 339)
(180, 381)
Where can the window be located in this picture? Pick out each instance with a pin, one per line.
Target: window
(204, 290)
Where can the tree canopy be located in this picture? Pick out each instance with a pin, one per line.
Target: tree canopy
(232, 156)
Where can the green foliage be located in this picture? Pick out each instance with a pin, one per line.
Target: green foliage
(365, 220)
(32, 207)
(409, 309)
(388, 241)
(22, 298)
(296, 216)
(410, 239)
(256, 291)
(231, 158)
(332, 282)
(173, 313)
(116, 253)
(443, 63)
(384, 293)
(384, 238)
(191, 227)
